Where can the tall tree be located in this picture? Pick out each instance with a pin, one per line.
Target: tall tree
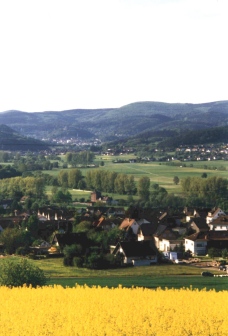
(144, 188)
(74, 177)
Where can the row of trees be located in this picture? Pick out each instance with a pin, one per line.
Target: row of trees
(72, 178)
(33, 163)
(16, 187)
(111, 182)
(211, 190)
(80, 158)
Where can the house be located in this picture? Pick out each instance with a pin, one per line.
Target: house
(198, 224)
(219, 224)
(95, 196)
(146, 231)
(129, 223)
(191, 213)
(199, 242)
(166, 239)
(138, 253)
(218, 239)
(104, 223)
(42, 248)
(213, 214)
(116, 211)
(196, 243)
(63, 239)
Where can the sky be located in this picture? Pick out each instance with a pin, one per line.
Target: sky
(69, 54)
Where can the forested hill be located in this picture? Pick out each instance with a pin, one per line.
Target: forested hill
(115, 123)
(11, 140)
(206, 136)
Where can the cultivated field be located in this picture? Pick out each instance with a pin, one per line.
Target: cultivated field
(83, 311)
(158, 172)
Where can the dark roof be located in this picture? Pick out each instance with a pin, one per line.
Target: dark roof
(200, 223)
(70, 238)
(221, 220)
(217, 235)
(147, 229)
(137, 248)
(198, 236)
(160, 229)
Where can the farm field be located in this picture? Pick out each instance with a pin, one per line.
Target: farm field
(153, 282)
(99, 311)
(160, 173)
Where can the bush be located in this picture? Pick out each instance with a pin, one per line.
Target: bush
(67, 261)
(22, 251)
(18, 273)
(78, 262)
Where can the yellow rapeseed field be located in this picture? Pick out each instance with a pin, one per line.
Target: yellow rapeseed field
(119, 311)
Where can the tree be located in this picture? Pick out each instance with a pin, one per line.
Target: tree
(225, 253)
(32, 225)
(18, 273)
(144, 188)
(14, 238)
(63, 178)
(62, 197)
(74, 177)
(212, 252)
(204, 175)
(70, 252)
(176, 180)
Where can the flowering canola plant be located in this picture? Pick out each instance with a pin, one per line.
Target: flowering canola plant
(96, 311)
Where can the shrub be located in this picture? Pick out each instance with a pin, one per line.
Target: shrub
(22, 251)
(67, 261)
(78, 261)
(18, 273)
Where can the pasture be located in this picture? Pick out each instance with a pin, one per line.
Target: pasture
(161, 173)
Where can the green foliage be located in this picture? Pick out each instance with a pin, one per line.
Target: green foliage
(74, 177)
(12, 239)
(213, 252)
(84, 226)
(108, 181)
(81, 158)
(176, 180)
(225, 253)
(31, 186)
(8, 172)
(62, 197)
(32, 225)
(18, 273)
(144, 188)
(212, 189)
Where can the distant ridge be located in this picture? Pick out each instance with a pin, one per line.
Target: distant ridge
(13, 141)
(116, 123)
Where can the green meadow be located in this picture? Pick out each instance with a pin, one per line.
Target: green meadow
(161, 173)
(163, 275)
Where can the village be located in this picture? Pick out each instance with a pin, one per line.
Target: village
(148, 236)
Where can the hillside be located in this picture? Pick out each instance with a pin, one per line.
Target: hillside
(11, 140)
(115, 123)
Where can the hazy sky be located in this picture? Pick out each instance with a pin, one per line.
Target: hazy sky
(65, 54)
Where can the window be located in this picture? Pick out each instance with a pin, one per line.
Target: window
(199, 245)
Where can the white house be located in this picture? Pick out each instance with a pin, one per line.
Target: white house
(196, 243)
(219, 224)
(138, 253)
(214, 214)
